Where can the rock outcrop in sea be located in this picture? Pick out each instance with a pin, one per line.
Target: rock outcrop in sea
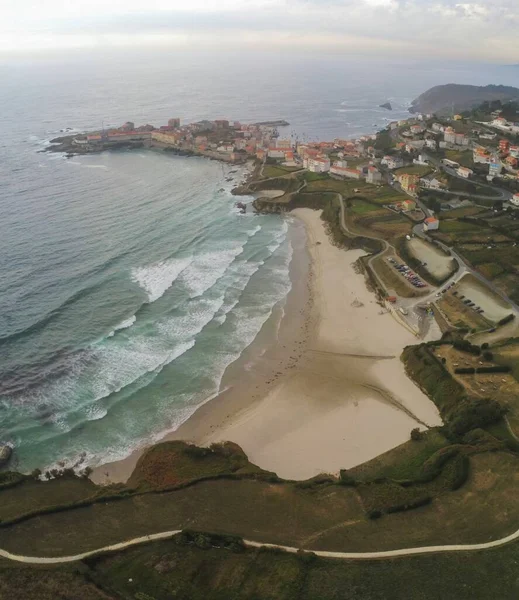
(5, 454)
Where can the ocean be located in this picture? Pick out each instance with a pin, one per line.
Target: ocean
(129, 282)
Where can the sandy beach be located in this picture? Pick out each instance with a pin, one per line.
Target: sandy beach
(331, 394)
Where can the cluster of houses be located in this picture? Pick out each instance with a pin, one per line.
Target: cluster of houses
(503, 124)
(219, 138)
(339, 158)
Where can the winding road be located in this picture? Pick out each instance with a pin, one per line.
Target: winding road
(385, 554)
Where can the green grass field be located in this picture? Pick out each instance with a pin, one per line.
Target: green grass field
(190, 571)
(278, 170)
(420, 170)
(360, 207)
(463, 157)
(458, 226)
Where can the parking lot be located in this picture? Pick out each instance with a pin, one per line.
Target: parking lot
(407, 273)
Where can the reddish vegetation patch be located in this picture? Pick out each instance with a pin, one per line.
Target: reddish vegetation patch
(175, 463)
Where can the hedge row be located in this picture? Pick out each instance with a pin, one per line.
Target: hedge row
(506, 319)
(479, 370)
(122, 494)
(466, 346)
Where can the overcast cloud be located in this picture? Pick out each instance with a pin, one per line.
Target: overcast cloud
(483, 30)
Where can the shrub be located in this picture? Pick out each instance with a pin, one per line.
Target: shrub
(465, 371)
(487, 355)
(494, 369)
(416, 434)
(433, 466)
(197, 451)
(466, 346)
(461, 467)
(485, 346)
(473, 413)
(346, 479)
(506, 319)
(374, 514)
(305, 556)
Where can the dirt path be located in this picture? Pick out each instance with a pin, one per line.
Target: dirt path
(252, 544)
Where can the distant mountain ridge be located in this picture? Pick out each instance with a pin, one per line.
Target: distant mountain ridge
(452, 97)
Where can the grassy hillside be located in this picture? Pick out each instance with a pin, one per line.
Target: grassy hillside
(207, 567)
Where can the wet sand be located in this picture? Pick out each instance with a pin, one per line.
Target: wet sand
(330, 392)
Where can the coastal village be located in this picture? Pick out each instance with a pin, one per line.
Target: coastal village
(435, 197)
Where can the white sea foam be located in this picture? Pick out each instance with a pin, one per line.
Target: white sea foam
(254, 231)
(123, 325)
(95, 413)
(206, 269)
(156, 279)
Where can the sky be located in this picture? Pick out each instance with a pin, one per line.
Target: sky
(484, 30)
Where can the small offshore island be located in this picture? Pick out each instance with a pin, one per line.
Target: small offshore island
(384, 420)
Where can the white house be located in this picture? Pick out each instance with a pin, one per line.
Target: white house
(487, 136)
(374, 175)
(504, 125)
(421, 160)
(465, 172)
(431, 144)
(346, 172)
(319, 165)
(392, 162)
(431, 224)
(274, 153)
(515, 199)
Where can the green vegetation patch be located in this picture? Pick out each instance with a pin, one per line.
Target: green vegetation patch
(404, 461)
(175, 463)
(360, 207)
(420, 170)
(287, 184)
(459, 412)
(459, 226)
(276, 171)
(32, 495)
(463, 157)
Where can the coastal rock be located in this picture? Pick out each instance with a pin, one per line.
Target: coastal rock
(5, 454)
(386, 105)
(446, 99)
(279, 123)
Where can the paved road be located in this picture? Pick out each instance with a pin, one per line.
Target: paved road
(402, 552)
(503, 194)
(386, 245)
(464, 268)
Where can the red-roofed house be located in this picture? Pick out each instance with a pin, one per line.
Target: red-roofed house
(431, 224)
